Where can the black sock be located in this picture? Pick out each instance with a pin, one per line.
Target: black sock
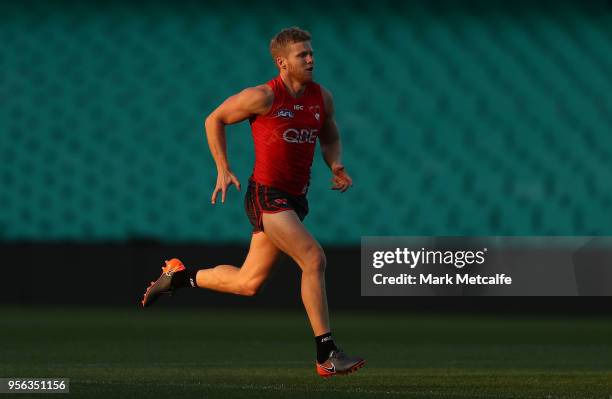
(325, 344)
(185, 278)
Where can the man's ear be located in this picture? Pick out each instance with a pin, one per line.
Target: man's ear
(281, 62)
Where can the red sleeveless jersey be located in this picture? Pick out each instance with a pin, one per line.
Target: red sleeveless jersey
(285, 138)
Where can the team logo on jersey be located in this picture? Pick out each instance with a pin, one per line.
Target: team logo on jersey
(284, 113)
(316, 111)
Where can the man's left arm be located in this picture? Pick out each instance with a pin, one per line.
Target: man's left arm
(331, 147)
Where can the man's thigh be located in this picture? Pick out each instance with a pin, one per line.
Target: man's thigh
(261, 258)
(288, 234)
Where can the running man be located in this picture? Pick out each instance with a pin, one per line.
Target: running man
(287, 115)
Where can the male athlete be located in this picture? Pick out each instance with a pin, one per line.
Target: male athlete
(287, 115)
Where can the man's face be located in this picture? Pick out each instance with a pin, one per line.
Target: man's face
(299, 61)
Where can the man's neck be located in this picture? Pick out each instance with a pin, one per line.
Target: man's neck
(294, 87)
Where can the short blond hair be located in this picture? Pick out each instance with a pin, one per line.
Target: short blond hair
(285, 37)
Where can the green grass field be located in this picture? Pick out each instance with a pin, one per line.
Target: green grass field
(249, 353)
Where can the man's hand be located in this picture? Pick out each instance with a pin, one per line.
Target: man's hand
(225, 178)
(341, 180)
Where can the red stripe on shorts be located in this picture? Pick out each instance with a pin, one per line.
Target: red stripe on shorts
(259, 222)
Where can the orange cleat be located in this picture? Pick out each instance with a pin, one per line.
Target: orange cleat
(339, 363)
(163, 285)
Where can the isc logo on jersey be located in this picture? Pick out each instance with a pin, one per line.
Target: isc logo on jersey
(300, 135)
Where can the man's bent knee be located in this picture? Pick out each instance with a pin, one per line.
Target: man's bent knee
(250, 288)
(315, 261)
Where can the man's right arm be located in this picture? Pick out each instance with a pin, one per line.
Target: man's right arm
(237, 108)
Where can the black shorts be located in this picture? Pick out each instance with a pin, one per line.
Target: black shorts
(260, 199)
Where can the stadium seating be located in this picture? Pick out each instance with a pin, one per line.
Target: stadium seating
(480, 117)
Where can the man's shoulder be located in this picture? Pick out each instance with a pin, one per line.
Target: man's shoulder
(328, 99)
(260, 91)
(260, 96)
